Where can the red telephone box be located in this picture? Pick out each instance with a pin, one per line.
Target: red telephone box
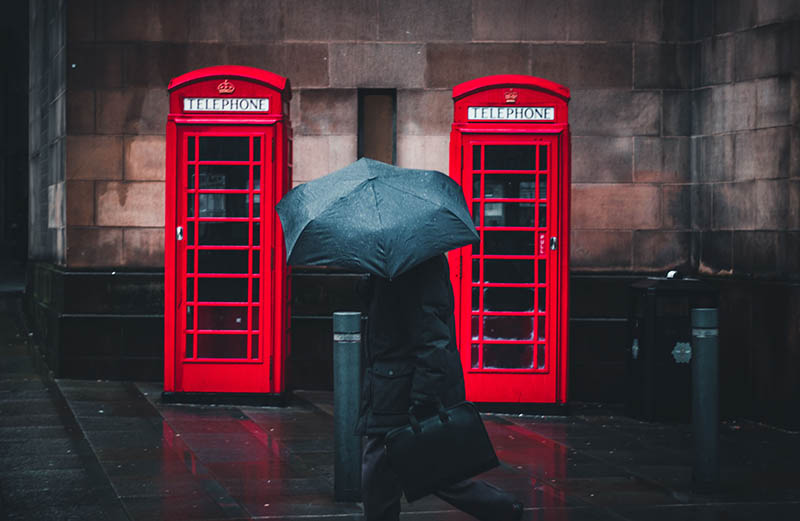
(228, 163)
(509, 150)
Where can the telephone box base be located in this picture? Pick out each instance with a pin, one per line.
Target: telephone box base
(252, 399)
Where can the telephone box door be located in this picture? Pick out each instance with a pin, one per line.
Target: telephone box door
(223, 268)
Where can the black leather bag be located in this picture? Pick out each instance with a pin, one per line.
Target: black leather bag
(439, 451)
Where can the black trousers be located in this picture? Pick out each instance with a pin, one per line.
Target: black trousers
(381, 492)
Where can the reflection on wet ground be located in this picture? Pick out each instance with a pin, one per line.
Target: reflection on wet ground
(110, 450)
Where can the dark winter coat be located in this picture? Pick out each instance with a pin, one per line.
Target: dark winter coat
(410, 349)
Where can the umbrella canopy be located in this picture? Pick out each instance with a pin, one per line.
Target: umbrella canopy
(374, 217)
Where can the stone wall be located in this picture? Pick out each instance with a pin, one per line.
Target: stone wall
(46, 130)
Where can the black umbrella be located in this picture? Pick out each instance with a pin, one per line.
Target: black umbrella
(370, 216)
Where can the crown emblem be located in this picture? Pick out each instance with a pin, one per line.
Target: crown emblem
(226, 87)
(511, 96)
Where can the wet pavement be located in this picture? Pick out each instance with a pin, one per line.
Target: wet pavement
(75, 449)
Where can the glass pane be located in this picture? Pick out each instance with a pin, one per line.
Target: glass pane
(476, 270)
(222, 318)
(189, 289)
(476, 214)
(189, 261)
(543, 157)
(256, 262)
(190, 146)
(508, 356)
(256, 234)
(190, 346)
(189, 317)
(543, 186)
(475, 327)
(542, 215)
(476, 157)
(542, 272)
(221, 346)
(222, 290)
(257, 149)
(542, 300)
(475, 354)
(224, 205)
(508, 270)
(508, 243)
(254, 346)
(541, 332)
(256, 177)
(225, 148)
(190, 171)
(224, 233)
(190, 233)
(508, 299)
(476, 186)
(510, 157)
(510, 186)
(255, 314)
(224, 177)
(222, 261)
(476, 299)
(190, 205)
(508, 214)
(507, 328)
(540, 356)
(256, 286)
(256, 204)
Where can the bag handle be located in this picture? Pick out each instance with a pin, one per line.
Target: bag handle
(444, 416)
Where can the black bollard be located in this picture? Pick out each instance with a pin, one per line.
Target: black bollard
(346, 396)
(705, 399)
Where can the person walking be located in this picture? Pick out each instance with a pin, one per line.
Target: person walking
(412, 360)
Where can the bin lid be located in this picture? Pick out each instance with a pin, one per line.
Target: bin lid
(665, 285)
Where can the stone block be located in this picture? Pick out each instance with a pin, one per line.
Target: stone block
(676, 113)
(145, 158)
(424, 112)
(320, 20)
(701, 206)
(661, 160)
(155, 64)
(716, 60)
(132, 111)
(327, 112)
(793, 217)
(677, 18)
(424, 152)
(93, 66)
(732, 15)
(143, 247)
(712, 158)
(767, 51)
(519, 20)
(143, 20)
(661, 251)
(615, 113)
(80, 112)
(664, 66)
(614, 20)
(701, 111)
(267, 56)
(676, 202)
(774, 102)
(199, 55)
(755, 252)
(306, 64)
(585, 66)
(80, 203)
(449, 64)
(423, 21)
(81, 20)
(616, 206)
(600, 250)
(703, 19)
(716, 253)
(600, 159)
(243, 20)
(771, 205)
(129, 204)
(733, 207)
(794, 159)
(763, 154)
(733, 107)
(94, 157)
(377, 65)
(789, 256)
(94, 247)
(315, 156)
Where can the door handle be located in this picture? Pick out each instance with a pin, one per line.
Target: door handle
(179, 233)
(553, 243)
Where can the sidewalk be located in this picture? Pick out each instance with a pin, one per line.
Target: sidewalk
(115, 451)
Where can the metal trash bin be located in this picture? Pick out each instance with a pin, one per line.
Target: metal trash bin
(659, 349)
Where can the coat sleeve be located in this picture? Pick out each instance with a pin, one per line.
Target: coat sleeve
(430, 336)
